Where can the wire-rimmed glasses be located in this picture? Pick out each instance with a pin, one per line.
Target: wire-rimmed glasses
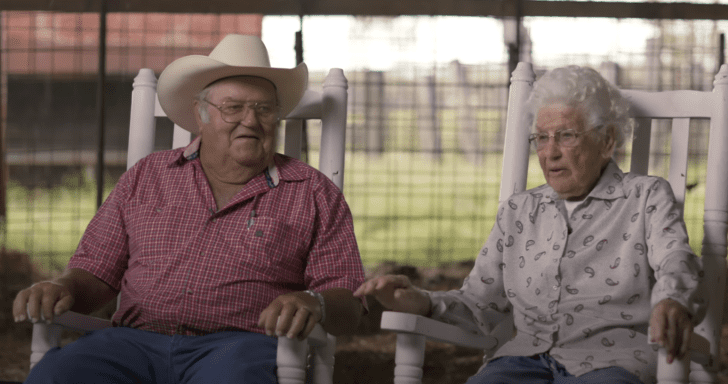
(233, 111)
(563, 137)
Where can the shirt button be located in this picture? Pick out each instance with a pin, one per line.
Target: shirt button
(555, 328)
(189, 291)
(556, 287)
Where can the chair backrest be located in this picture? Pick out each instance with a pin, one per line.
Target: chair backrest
(330, 106)
(679, 107)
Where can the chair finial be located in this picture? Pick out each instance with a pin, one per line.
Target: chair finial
(523, 72)
(722, 76)
(145, 77)
(336, 78)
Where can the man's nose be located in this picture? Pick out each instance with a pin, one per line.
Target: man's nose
(250, 118)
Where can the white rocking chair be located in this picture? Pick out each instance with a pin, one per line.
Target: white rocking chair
(330, 106)
(702, 364)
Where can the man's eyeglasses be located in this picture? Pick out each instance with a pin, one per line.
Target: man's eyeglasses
(235, 111)
(563, 137)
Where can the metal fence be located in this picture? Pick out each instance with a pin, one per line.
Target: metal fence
(424, 137)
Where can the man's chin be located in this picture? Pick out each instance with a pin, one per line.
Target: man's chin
(255, 159)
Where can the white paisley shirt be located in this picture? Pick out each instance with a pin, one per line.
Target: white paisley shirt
(581, 286)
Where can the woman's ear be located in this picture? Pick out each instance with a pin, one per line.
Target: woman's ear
(610, 143)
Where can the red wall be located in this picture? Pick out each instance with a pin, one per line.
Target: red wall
(67, 43)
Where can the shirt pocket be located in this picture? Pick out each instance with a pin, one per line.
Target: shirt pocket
(270, 245)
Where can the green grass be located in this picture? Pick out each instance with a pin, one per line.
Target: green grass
(407, 206)
(48, 223)
(412, 209)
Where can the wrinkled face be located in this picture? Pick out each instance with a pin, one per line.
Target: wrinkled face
(571, 171)
(249, 142)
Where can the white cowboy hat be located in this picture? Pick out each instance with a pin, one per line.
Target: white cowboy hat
(235, 55)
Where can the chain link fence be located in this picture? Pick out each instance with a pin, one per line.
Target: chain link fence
(426, 117)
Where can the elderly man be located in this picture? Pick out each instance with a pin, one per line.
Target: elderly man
(584, 263)
(214, 248)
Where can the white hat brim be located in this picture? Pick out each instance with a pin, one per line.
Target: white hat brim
(187, 76)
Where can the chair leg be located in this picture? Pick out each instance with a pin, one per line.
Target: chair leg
(675, 373)
(291, 360)
(700, 375)
(409, 358)
(45, 337)
(323, 362)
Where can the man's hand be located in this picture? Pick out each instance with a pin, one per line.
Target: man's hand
(671, 327)
(396, 292)
(292, 314)
(42, 300)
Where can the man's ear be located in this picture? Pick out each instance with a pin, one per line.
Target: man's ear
(196, 112)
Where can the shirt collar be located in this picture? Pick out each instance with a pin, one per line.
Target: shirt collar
(610, 186)
(192, 151)
(280, 169)
(271, 175)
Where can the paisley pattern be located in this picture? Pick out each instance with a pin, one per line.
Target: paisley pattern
(578, 286)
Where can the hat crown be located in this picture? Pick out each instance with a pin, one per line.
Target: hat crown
(241, 51)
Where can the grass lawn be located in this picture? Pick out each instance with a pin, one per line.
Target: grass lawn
(407, 208)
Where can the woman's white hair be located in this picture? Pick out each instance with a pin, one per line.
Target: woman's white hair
(600, 103)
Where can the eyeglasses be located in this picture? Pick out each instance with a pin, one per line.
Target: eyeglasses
(563, 137)
(235, 111)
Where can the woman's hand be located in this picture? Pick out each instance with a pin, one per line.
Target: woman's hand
(671, 327)
(396, 293)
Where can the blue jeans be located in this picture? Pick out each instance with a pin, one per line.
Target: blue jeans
(544, 369)
(126, 355)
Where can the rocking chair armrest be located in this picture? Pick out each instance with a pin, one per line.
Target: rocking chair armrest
(80, 322)
(86, 323)
(435, 330)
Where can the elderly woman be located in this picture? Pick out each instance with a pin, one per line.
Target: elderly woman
(584, 263)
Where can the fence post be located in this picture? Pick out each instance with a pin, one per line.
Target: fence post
(468, 135)
(658, 127)
(427, 121)
(610, 71)
(374, 112)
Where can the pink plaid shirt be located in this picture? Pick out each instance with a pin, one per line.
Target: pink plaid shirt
(182, 267)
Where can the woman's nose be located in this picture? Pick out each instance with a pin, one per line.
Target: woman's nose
(552, 148)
